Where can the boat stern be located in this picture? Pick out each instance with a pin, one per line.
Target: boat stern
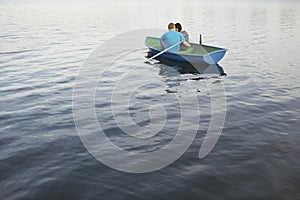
(214, 57)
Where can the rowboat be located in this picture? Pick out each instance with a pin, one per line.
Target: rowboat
(196, 54)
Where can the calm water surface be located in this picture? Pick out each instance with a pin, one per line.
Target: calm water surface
(42, 47)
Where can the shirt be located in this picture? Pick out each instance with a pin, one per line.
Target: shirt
(170, 38)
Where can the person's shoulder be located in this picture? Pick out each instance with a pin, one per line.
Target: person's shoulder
(177, 33)
(164, 35)
(168, 33)
(171, 33)
(184, 32)
(180, 33)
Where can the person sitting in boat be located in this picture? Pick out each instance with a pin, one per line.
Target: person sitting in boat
(172, 37)
(178, 28)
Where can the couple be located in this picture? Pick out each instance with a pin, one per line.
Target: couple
(174, 36)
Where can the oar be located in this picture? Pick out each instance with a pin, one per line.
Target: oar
(149, 59)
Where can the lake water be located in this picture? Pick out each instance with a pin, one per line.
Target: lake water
(45, 45)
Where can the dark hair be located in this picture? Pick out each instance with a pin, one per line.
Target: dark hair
(178, 26)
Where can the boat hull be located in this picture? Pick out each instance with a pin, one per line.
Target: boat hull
(187, 67)
(212, 58)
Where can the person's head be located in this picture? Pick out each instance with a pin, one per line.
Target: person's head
(171, 26)
(178, 27)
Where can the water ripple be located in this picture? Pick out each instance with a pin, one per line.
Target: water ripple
(43, 45)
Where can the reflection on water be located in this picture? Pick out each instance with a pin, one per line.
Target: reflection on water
(187, 68)
(175, 77)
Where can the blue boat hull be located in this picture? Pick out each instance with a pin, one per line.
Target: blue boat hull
(184, 66)
(212, 58)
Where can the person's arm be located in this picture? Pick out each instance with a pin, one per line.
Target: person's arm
(186, 36)
(185, 43)
(162, 42)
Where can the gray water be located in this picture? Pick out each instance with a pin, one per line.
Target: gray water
(44, 44)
